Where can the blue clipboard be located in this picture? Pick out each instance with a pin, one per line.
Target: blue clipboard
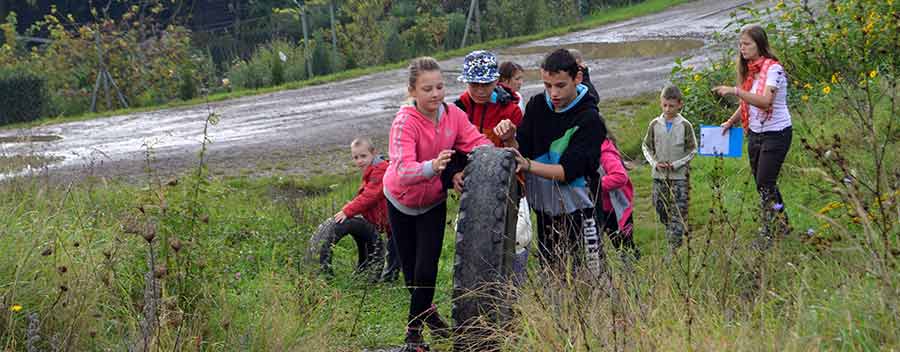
(712, 143)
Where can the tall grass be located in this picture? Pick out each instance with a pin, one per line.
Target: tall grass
(238, 280)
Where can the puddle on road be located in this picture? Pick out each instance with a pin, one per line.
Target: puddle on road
(26, 139)
(596, 51)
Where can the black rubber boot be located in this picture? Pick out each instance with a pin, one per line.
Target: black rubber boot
(414, 341)
(436, 323)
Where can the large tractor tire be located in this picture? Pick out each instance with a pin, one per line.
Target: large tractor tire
(485, 248)
(369, 247)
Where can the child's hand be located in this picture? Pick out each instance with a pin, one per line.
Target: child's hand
(521, 162)
(440, 163)
(505, 130)
(458, 181)
(340, 217)
(726, 126)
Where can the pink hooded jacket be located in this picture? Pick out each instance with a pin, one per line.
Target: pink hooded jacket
(615, 185)
(410, 183)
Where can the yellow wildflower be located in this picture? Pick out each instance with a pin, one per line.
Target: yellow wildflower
(697, 78)
(826, 90)
(873, 74)
(807, 86)
(15, 308)
(804, 98)
(834, 78)
(779, 5)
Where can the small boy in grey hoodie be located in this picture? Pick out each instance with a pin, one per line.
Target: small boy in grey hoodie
(669, 147)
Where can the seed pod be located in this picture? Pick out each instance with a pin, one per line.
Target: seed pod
(205, 219)
(175, 244)
(172, 182)
(62, 269)
(149, 232)
(47, 251)
(63, 288)
(160, 271)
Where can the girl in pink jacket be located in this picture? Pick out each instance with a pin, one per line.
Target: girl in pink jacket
(423, 138)
(616, 195)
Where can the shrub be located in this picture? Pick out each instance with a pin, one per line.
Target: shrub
(261, 70)
(25, 96)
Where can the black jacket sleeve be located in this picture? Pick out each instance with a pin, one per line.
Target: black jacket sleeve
(525, 131)
(582, 156)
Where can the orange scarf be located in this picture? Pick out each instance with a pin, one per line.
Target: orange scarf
(760, 66)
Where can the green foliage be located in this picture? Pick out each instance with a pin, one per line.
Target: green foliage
(187, 89)
(265, 67)
(25, 96)
(322, 60)
(505, 18)
(456, 24)
(394, 49)
(277, 70)
(701, 105)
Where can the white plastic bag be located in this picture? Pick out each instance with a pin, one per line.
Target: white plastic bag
(524, 230)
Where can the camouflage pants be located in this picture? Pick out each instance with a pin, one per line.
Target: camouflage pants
(671, 198)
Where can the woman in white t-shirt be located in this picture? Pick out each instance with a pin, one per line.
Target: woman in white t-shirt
(765, 117)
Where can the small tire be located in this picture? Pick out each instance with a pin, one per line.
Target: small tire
(369, 247)
(485, 249)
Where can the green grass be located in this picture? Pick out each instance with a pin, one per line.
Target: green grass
(595, 20)
(241, 281)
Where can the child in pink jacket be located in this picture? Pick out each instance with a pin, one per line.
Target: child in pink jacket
(616, 198)
(423, 138)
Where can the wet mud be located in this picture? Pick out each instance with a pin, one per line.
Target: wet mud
(306, 131)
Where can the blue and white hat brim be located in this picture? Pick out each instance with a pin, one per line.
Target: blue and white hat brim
(489, 79)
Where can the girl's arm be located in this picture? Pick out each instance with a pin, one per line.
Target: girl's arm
(763, 101)
(468, 137)
(616, 176)
(402, 151)
(735, 117)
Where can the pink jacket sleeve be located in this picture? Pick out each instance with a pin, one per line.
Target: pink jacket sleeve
(467, 136)
(616, 176)
(403, 154)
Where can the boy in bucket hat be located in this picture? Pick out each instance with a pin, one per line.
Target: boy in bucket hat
(488, 104)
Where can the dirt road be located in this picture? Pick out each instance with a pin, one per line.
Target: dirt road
(297, 131)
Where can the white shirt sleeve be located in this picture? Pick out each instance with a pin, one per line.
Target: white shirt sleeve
(776, 77)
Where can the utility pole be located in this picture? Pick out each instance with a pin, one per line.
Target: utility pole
(105, 79)
(473, 4)
(307, 58)
(334, 48)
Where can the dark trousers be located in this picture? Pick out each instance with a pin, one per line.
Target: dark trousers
(392, 267)
(572, 236)
(622, 239)
(368, 244)
(419, 240)
(767, 152)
